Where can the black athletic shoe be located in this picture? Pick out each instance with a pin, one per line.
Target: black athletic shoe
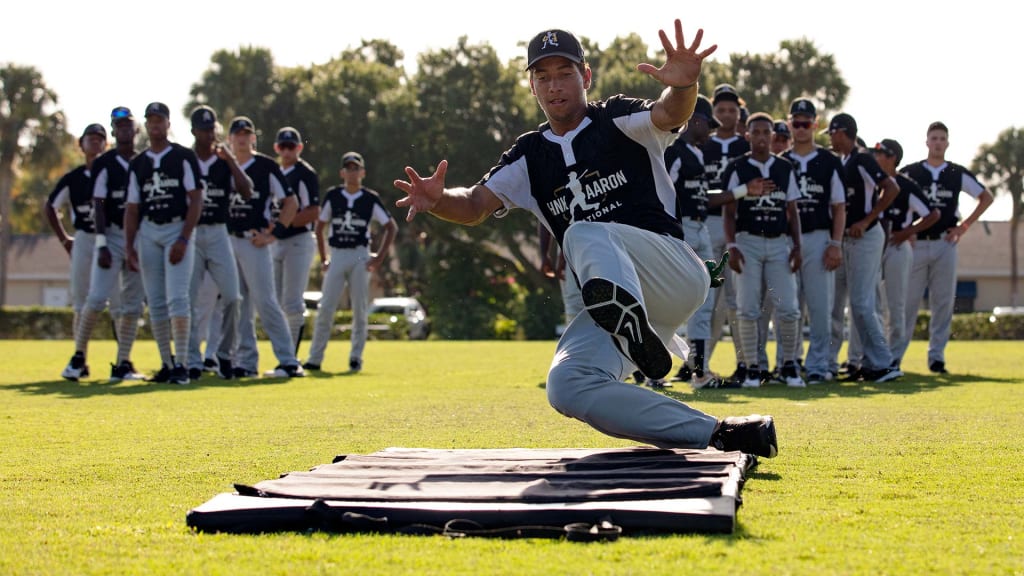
(224, 369)
(210, 365)
(179, 375)
(739, 376)
(76, 368)
(310, 366)
(239, 372)
(124, 371)
(163, 376)
(938, 367)
(882, 375)
(355, 365)
(683, 375)
(754, 434)
(620, 313)
(854, 374)
(195, 373)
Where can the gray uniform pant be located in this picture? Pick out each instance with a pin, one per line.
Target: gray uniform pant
(292, 258)
(725, 298)
(167, 285)
(935, 270)
(896, 264)
(256, 283)
(862, 258)
(585, 380)
(698, 327)
(572, 299)
(118, 285)
(766, 265)
(82, 254)
(216, 258)
(348, 266)
(817, 290)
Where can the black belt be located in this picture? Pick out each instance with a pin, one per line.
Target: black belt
(765, 235)
(168, 221)
(929, 235)
(694, 218)
(242, 234)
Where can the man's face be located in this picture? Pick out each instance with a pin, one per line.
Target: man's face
(802, 127)
(887, 162)
(124, 131)
(698, 126)
(352, 174)
(288, 151)
(157, 126)
(727, 113)
(841, 141)
(93, 145)
(242, 140)
(760, 133)
(780, 143)
(938, 142)
(205, 137)
(560, 88)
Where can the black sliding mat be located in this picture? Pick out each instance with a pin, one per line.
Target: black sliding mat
(579, 493)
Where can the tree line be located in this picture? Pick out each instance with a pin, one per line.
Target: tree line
(461, 103)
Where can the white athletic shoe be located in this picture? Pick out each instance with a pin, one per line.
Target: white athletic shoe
(791, 375)
(752, 382)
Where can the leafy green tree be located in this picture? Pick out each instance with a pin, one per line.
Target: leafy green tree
(32, 131)
(241, 83)
(1001, 165)
(614, 69)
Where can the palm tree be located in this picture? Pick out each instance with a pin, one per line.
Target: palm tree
(1001, 166)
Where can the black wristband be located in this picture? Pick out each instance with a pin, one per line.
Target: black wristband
(279, 230)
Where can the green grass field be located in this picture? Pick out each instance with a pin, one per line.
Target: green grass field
(923, 475)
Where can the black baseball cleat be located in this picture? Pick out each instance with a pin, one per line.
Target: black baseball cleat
(310, 366)
(224, 369)
(938, 367)
(179, 375)
(163, 376)
(76, 368)
(754, 434)
(355, 365)
(620, 313)
(210, 365)
(195, 373)
(239, 372)
(683, 375)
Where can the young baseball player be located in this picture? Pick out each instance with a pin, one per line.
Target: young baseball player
(250, 223)
(165, 199)
(595, 175)
(294, 248)
(221, 176)
(344, 220)
(110, 280)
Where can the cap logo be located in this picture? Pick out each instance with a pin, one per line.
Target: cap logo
(550, 39)
(801, 105)
(207, 117)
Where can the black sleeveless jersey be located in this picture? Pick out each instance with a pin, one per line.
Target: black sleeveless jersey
(611, 168)
(763, 215)
(160, 183)
(110, 182)
(910, 201)
(942, 186)
(268, 184)
(861, 176)
(349, 218)
(304, 182)
(218, 183)
(718, 152)
(685, 163)
(818, 178)
(75, 189)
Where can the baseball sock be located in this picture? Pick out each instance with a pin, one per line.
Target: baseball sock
(738, 343)
(127, 326)
(84, 331)
(162, 335)
(295, 324)
(748, 340)
(789, 330)
(181, 328)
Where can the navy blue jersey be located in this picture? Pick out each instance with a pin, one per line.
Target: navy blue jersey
(110, 182)
(611, 168)
(718, 152)
(160, 182)
(304, 182)
(685, 163)
(861, 176)
(218, 183)
(348, 216)
(764, 215)
(820, 184)
(75, 190)
(942, 186)
(268, 185)
(910, 201)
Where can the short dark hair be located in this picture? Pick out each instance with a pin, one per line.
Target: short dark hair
(937, 126)
(761, 117)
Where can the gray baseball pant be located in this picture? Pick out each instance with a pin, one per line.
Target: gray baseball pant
(216, 258)
(292, 259)
(698, 327)
(256, 276)
(935, 270)
(348, 266)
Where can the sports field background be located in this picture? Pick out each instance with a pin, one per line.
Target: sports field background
(919, 476)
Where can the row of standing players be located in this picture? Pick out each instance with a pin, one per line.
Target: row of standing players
(810, 231)
(150, 226)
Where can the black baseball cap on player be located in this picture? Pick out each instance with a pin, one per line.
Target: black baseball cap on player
(204, 117)
(288, 135)
(120, 113)
(703, 108)
(93, 129)
(352, 158)
(802, 106)
(844, 122)
(781, 129)
(725, 92)
(890, 147)
(241, 123)
(158, 108)
(553, 43)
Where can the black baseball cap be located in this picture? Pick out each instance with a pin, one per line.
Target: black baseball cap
(890, 147)
(241, 123)
(93, 129)
(844, 122)
(288, 135)
(782, 129)
(744, 114)
(553, 43)
(703, 108)
(120, 113)
(352, 158)
(158, 108)
(725, 92)
(802, 106)
(204, 117)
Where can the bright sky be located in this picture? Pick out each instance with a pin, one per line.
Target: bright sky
(907, 63)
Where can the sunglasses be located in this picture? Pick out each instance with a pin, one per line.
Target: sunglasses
(120, 112)
(801, 123)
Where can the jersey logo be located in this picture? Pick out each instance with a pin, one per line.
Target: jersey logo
(933, 193)
(584, 196)
(346, 222)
